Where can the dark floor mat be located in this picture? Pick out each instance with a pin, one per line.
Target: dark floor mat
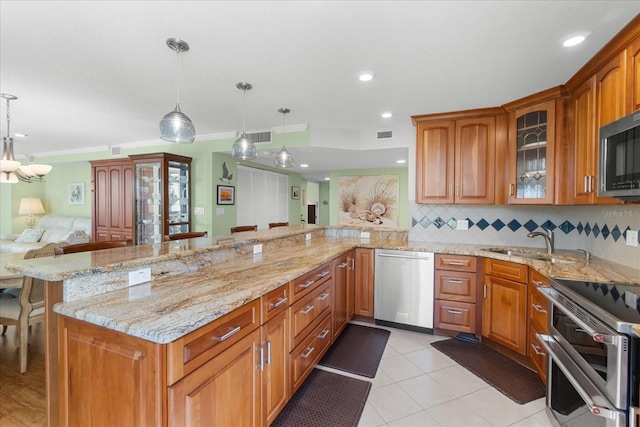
(520, 384)
(325, 400)
(358, 350)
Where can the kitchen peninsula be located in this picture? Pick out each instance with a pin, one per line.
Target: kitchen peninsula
(196, 283)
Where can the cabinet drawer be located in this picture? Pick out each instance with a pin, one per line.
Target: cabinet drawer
(456, 262)
(537, 279)
(537, 354)
(456, 286)
(194, 349)
(505, 269)
(455, 316)
(538, 309)
(308, 311)
(309, 281)
(305, 356)
(274, 303)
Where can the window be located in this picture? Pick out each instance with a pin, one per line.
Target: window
(261, 197)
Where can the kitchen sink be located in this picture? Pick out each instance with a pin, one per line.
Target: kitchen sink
(531, 255)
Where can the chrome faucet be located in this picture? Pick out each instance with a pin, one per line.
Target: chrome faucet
(548, 238)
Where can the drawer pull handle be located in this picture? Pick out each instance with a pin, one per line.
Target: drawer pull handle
(454, 311)
(308, 353)
(280, 302)
(536, 350)
(456, 281)
(229, 334)
(261, 358)
(323, 334)
(538, 283)
(323, 296)
(539, 308)
(343, 265)
(454, 262)
(306, 285)
(268, 352)
(307, 310)
(323, 274)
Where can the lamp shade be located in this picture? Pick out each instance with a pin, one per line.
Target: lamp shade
(177, 127)
(8, 178)
(30, 206)
(244, 148)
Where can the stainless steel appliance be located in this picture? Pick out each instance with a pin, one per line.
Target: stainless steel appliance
(594, 358)
(619, 166)
(404, 289)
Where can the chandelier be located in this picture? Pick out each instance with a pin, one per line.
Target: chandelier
(12, 171)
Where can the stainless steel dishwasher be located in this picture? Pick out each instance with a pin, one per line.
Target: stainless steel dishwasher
(404, 289)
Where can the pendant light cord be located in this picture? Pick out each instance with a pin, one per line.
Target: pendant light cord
(244, 111)
(178, 77)
(8, 120)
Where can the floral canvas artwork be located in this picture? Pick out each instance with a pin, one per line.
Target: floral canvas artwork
(369, 200)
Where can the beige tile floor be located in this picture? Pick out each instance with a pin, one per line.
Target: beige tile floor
(416, 385)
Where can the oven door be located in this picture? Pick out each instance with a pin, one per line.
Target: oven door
(571, 397)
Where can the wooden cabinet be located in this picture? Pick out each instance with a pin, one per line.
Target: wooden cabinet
(162, 188)
(343, 270)
(456, 293)
(504, 311)
(633, 76)
(112, 199)
(538, 318)
(456, 156)
(364, 290)
(535, 133)
(274, 349)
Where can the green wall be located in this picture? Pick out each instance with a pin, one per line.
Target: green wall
(403, 192)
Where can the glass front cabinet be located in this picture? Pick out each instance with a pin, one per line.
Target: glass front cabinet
(162, 196)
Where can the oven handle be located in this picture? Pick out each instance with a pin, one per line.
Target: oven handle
(598, 337)
(593, 407)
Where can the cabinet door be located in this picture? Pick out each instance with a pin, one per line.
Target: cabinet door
(364, 282)
(101, 197)
(504, 313)
(275, 374)
(633, 76)
(224, 391)
(128, 197)
(610, 91)
(584, 142)
(351, 285)
(475, 142)
(340, 268)
(435, 162)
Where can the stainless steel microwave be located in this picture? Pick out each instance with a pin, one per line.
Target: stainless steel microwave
(619, 165)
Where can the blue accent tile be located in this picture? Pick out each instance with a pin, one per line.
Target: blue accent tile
(425, 222)
(548, 225)
(530, 225)
(482, 224)
(413, 222)
(580, 227)
(596, 230)
(567, 227)
(615, 293)
(587, 229)
(497, 224)
(452, 223)
(624, 233)
(438, 222)
(615, 233)
(605, 232)
(470, 223)
(514, 225)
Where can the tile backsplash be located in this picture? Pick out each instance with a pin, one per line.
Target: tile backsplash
(600, 230)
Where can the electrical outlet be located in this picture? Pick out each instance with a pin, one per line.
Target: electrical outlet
(462, 224)
(632, 238)
(365, 235)
(630, 299)
(198, 211)
(307, 236)
(219, 211)
(257, 249)
(139, 276)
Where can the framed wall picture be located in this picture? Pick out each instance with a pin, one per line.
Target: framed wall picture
(226, 195)
(295, 192)
(75, 193)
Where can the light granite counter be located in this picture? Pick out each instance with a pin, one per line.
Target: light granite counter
(198, 280)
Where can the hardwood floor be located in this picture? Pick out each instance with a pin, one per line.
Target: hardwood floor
(22, 396)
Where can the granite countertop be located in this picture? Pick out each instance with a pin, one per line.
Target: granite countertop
(173, 305)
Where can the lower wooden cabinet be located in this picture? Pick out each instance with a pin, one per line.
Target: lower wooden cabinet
(224, 391)
(538, 323)
(456, 293)
(455, 316)
(364, 270)
(343, 270)
(307, 354)
(275, 366)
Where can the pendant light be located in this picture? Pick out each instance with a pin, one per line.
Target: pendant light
(244, 148)
(284, 159)
(176, 126)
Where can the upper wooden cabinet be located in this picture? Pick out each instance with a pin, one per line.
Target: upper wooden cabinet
(112, 199)
(611, 90)
(535, 126)
(456, 156)
(633, 76)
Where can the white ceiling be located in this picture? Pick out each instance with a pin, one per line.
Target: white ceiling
(98, 73)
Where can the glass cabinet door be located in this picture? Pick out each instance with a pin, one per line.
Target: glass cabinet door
(149, 212)
(178, 197)
(531, 155)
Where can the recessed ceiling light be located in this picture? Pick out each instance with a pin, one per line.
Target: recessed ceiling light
(574, 40)
(401, 161)
(387, 114)
(19, 135)
(326, 178)
(304, 165)
(366, 76)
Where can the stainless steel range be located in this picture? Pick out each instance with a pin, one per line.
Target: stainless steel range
(594, 363)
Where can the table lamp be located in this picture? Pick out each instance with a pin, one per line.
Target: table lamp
(30, 206)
